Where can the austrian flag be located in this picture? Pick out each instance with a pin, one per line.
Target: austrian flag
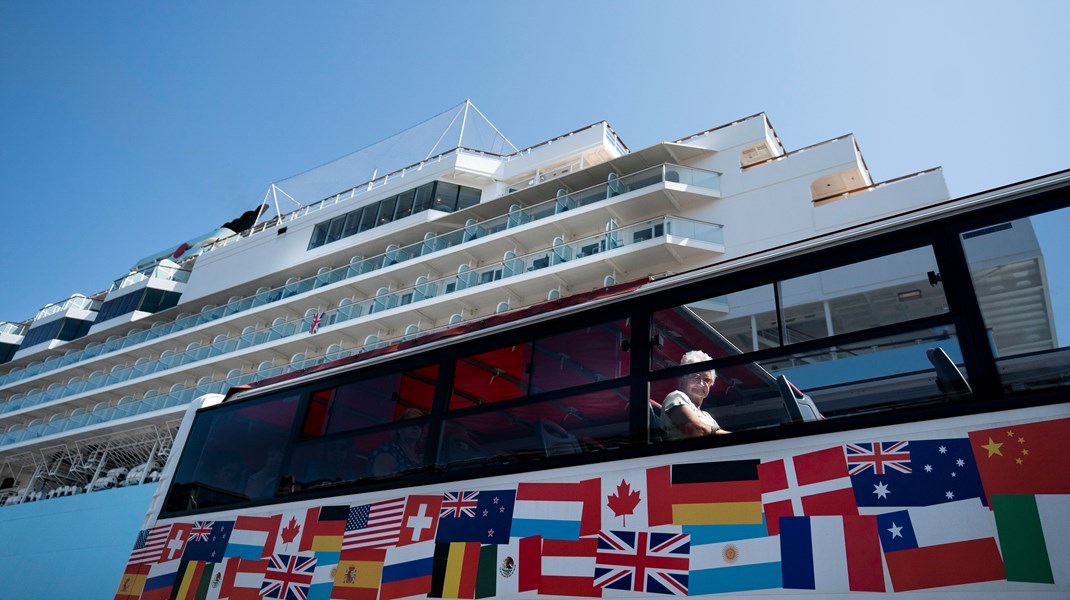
(811, 484)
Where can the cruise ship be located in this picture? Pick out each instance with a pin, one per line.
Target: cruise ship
(444, 225)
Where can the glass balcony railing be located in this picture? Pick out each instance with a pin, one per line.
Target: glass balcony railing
(76, 301)
(161, 271)
(557, 254)
(357, 266)
(13, 328)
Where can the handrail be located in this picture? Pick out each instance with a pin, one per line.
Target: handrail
(579, 198)
(551, 256)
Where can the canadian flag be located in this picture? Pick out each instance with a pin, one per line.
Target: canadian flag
(811, 484)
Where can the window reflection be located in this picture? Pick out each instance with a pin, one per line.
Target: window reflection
(582, 423)
(1021, 276)
(227, 447)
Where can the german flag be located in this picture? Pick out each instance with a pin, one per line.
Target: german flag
(711, 493)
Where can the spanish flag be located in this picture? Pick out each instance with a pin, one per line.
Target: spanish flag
(712, 493)
(132, 582)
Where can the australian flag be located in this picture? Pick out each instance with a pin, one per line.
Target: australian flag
(914, 473)
(483, 516)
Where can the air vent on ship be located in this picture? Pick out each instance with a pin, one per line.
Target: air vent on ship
(755, 153)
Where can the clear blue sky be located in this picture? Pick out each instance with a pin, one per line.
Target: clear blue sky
(127, 127)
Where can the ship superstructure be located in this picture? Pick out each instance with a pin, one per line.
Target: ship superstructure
(385, 247)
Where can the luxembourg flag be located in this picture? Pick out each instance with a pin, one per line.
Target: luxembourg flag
(253, 537)
(557, 511)
(831, 554)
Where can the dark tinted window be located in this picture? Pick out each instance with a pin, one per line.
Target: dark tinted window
(445, 196)
(233, 454)
(467, 197)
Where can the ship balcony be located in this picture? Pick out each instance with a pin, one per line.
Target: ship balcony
(664, 188)
(390, 316)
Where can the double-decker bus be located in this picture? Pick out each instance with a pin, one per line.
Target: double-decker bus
(892, 398)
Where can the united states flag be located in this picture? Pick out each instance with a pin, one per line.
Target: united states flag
(375, 525)
(641, 561)
(160, 543)
(288, 576)
(459, 504)
(878, 456)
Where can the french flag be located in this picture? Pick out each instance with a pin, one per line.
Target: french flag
(831, 554)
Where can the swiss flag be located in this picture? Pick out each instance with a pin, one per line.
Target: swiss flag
(420, 521)
(811, 484)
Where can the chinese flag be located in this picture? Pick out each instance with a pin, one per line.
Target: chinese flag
(1028, 458)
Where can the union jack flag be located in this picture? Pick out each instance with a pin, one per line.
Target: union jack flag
(201, 530)
(459, 504)
(878, 456)
(641, 561)
(288, 577)
(316, 319)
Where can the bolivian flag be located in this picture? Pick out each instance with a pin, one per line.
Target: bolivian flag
(712, 493)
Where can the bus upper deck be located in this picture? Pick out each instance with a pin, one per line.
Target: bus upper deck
(920, 339)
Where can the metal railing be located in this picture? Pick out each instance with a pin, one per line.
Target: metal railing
(553, 256)
(393, 255)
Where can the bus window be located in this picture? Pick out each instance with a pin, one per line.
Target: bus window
(226, 447)
(743, 321)
(490, 376)
(550, 363)
(580, 357)
(369, 402)
(1020, 273)
(532, 431)
(874, 374)
(347, 459)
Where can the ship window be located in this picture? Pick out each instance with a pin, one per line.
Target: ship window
(386, 210)
(119, 305)
(367, 218)
(467, 198)
(319, 235)
(404, 208)
(156, 300)
(334, 232)
(41, 333)
(390, 209)
(445, 196)
(7, 351)
(422, 201)
(352, 223)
